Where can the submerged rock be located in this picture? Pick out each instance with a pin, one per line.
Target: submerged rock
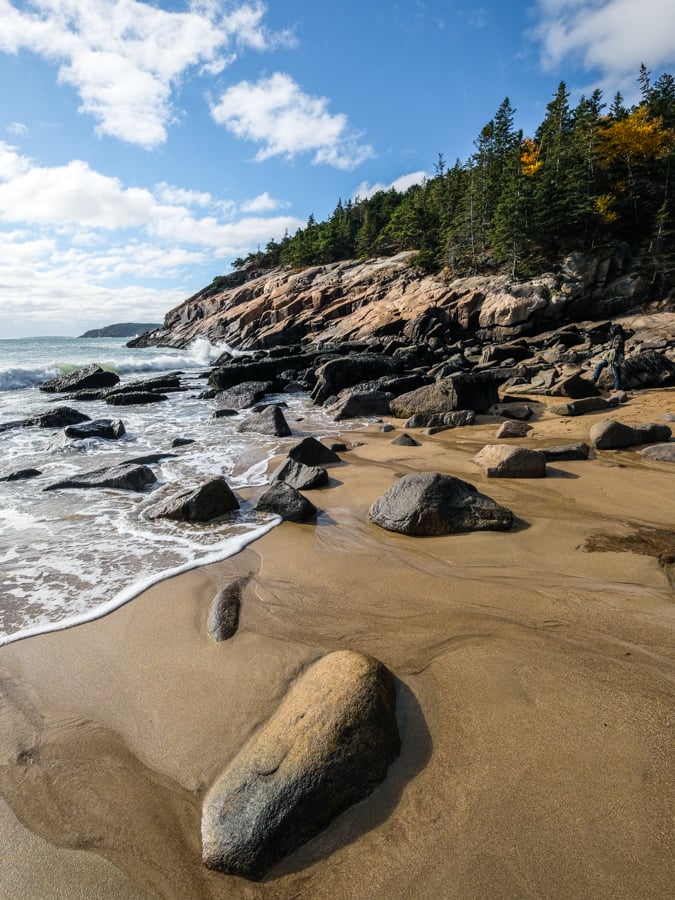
(21, 475)
(327, 746)
(428, 503)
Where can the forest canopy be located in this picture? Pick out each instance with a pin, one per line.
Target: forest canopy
(590, 175)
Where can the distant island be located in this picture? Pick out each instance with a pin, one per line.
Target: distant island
(122, 330)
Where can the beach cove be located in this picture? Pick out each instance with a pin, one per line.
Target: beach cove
(535, 680)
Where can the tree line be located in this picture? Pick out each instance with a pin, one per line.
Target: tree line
(591, 175)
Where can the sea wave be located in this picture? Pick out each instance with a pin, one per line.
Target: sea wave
(199, 354)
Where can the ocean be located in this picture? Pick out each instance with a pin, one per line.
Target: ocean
(68, 556)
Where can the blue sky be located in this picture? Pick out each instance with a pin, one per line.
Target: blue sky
(143, 146)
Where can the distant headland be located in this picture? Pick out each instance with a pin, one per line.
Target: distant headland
(122, 330)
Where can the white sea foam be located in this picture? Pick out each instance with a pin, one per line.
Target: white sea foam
(14, 378)
(230, 547)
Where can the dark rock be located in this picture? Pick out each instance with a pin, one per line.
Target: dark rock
(313, 453)
(91, 376)
(465, 391)
(207, 395)
(608, 434)
(447, 420)
(102, 428)
(428, 503)
(242, 396)
(225, 413)
(661, 452)
(181, 442)
(355, 404)
(327, 746)
(167, 383)
(300, 476)
(125, 477)
(21, 474)
(585, 405)
(238, 371)
(650, 369)
(405, 440)
(519, 411)
(502, 461)
(149, 459)
(338, 448)
(269, 420)
(210, 500)
(513, 429)
(58, 417)
(134, 398)
(575, 387)
(283, 500)
(338, 374)
(566, 451)
(223, 618)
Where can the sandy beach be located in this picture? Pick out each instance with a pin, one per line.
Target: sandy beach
(535, 693)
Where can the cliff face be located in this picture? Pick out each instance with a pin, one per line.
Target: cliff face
(354, 300)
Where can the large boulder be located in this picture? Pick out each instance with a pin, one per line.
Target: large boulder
(428, 503)
(125, 477)
(447, 420)
(476, 391)
(300, 476)
(608, 434)
(283, 500)
(268, 420)
(575, 387)
(327, 746)
(336, 374)
(58, 417)
(210, 500)
(242, 396)
(562, 452)
(660, 452)
(505, 461)
(91, 376)
(649, 369)
(356, 404)
(102, 428)
(585, 405)
(134, 398)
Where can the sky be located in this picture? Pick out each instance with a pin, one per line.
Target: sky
(146, 145)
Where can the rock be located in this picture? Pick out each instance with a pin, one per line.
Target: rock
(182, 442)
(327, 746)
(477, 392)
(338, 447)
(428, 503)
(585, 405)
(58, 417)
(521, 412)
(512, 429)
(337, 374)
(21, 475)
(608, 434)
(242, 396)
(405, 440)
(149, 459)
(313, 453)
(448, 420)
(668, 417)
(91, 376)
(355, 404)
(575, 387)
(300, 476)
(102, 428)
(125, 477)
(210, 500)
(502, 461)
(566, 451)
(283, 500)
(223, 618)
(649, 369)
(224, 413)
(134, 398)
(269, 420)
(661, 452)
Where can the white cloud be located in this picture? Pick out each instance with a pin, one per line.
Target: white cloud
(262, 203)
(402, 183)
(612, 36)
(125, 57)
(18, 129)
(275, 113)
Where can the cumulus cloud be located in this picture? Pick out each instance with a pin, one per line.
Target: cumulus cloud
(402, 183)
(125, 57)
(609, 36)
(76, 241)
(276, 114)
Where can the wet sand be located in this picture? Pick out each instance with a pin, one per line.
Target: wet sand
(535, 695)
